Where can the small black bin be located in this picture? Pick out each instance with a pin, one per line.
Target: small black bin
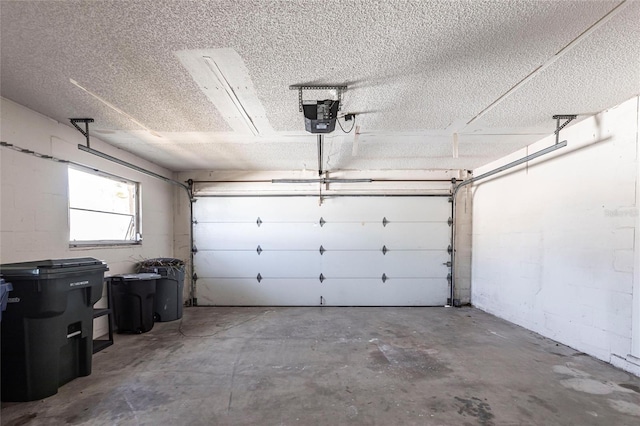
(47, 328)
(169, 288)
(133, 296)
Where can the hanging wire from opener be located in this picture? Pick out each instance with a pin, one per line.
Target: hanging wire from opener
(351, 116)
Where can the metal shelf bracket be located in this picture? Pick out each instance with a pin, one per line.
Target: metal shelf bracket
(84, 132)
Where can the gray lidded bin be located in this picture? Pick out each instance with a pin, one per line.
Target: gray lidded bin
(169, 289)
(47, 328)
(133, 296)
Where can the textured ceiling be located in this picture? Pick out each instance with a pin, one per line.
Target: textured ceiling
(417, 73)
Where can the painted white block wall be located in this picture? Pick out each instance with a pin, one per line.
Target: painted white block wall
(34, 196)
(555, 242)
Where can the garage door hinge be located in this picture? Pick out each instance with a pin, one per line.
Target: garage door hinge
(259, 222)
(195, 222)
(449, 249)
(384, 221)
(322, 250)
(194, 249)
(450, 221)
(321, 277)
(384, 250)
(259, 250)
(448, 264)
(259, 277)
(384, 278)
(322, 222)
(195, 276)
(449, 278)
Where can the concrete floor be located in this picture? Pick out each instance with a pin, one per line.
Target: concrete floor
(333, 366)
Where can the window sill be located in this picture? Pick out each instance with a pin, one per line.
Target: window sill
(84, 245)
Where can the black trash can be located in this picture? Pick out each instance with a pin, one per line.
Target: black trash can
(133, 296)
(169, 288)
(47, 328)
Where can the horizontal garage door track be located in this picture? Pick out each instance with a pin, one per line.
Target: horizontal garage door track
(333, 366)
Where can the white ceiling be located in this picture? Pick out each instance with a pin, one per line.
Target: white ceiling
(417, 72)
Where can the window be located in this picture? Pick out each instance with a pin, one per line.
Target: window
(103, 209)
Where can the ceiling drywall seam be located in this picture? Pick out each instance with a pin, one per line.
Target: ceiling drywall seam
(613, 12)
(215, 69)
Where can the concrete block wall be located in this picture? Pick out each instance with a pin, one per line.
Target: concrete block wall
(34, 196)
(555, 241)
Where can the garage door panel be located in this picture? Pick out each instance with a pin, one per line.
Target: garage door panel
(394, 209)
(367, 236)
(421, 264)
(268, 292)
(417, 236)
(226, 236)
(290, 264)
(405, 264)
(291, 236)
(230, 264)
(352, 236)
(249, 209)
(352, 264)
(393, 292)
(247, 236)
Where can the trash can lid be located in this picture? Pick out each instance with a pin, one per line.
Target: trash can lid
(145, 276)
(34, 267)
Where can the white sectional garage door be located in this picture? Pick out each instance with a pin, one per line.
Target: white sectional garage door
(349, 251)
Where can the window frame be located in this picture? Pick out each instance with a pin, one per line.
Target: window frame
(137, 240)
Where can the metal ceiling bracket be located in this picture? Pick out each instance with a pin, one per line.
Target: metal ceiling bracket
(568, 117)
(384, 278)
(322, 250)
(259, 277)
(321, 278)
(384, 221)
(339, 89)
(384, 250)
(259, 250)
(86, 122)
